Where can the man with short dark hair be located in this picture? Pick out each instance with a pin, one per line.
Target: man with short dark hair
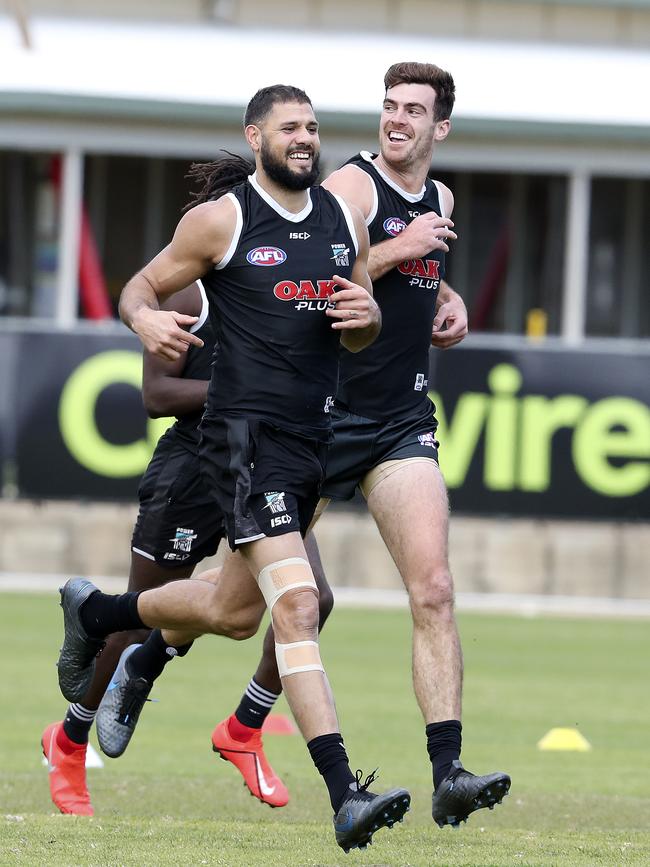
(384, 429)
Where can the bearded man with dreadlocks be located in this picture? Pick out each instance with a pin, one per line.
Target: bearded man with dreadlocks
(263, 439)
(176, 528)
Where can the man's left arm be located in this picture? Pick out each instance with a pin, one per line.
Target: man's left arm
(450, 322)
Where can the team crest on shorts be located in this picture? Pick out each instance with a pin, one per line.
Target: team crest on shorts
(420, 382)
(428, 439)
(275, 502)
(183, 539)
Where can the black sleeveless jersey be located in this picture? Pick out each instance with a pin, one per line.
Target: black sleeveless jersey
(277, 354)
(198, 365)
(389, 378)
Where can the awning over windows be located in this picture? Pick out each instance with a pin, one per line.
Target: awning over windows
(198, 71)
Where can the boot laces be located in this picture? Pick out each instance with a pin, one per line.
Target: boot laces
(132, 702)
(370, 779)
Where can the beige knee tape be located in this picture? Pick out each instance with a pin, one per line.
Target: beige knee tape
(382, 471)
(297, 657)
(277, 578)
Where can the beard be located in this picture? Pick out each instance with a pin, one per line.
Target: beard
(280, 172)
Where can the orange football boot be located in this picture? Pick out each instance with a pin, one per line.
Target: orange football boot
(67, 774)
(249, 759)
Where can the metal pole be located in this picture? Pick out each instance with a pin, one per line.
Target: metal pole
(69, 236)
(576, 258)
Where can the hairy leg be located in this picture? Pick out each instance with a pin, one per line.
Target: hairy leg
(222, 602)
(411, 510)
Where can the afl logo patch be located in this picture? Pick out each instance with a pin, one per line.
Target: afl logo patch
(266, 256)
(393, 225)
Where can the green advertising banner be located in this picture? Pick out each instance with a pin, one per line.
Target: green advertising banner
(544, 431)
(526, 431)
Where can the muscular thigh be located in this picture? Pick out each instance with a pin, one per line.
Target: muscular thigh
(410, 508)
(237, 595)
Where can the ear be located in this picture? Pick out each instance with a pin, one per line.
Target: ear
(442, 130)
(253, 137)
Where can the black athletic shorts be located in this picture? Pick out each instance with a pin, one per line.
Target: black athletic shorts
(179, 522)
(266, 480)
(360, 444)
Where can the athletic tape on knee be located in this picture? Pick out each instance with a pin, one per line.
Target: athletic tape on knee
(297, 657)
(277, 578)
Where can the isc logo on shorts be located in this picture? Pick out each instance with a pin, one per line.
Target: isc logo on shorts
(281, 519)
(266, 256)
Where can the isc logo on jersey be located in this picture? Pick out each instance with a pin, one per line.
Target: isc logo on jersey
(394, 225)
(266, 256)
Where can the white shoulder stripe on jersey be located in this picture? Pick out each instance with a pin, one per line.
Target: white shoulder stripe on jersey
(230, 252)
(348, 219)
(440, 198)
(367, 156)
(203, 315)
(375, 202)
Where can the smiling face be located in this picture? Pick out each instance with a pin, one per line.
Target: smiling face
(287, 145)
(407, 129)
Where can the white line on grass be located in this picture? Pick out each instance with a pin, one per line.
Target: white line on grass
(525, 605)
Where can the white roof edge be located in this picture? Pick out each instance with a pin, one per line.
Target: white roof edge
(494, 80)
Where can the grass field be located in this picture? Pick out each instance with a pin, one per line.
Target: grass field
(168, 801)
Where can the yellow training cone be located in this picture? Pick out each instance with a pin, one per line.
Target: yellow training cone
(564, 739)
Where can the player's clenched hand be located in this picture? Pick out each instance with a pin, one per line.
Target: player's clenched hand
(163, 332)
(452, 316)
(355, 306)
(424, 234)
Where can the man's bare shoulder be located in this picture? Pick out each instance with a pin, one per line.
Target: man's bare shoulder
(210, 225)
(211, 214)
(354, 185)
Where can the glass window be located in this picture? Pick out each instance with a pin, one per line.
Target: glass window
(29, 227)
(133, 204)
(508, 259)
(619, 258)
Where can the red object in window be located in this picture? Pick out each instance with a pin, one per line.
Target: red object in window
(93, 294)
(95, 303)
(492, 282)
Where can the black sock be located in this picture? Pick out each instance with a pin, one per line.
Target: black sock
(78, 722)
(102, 614)
(150, 658)
(443, 743)
(331, 760)
(255, 705)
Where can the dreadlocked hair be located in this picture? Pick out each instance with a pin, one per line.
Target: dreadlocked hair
(217, 177)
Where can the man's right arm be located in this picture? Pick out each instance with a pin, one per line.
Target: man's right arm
(425, 233)
(200, 241)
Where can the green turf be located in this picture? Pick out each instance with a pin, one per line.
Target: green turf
(168, 801)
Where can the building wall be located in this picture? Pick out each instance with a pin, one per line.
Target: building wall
(617, 22)
(498, 555)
